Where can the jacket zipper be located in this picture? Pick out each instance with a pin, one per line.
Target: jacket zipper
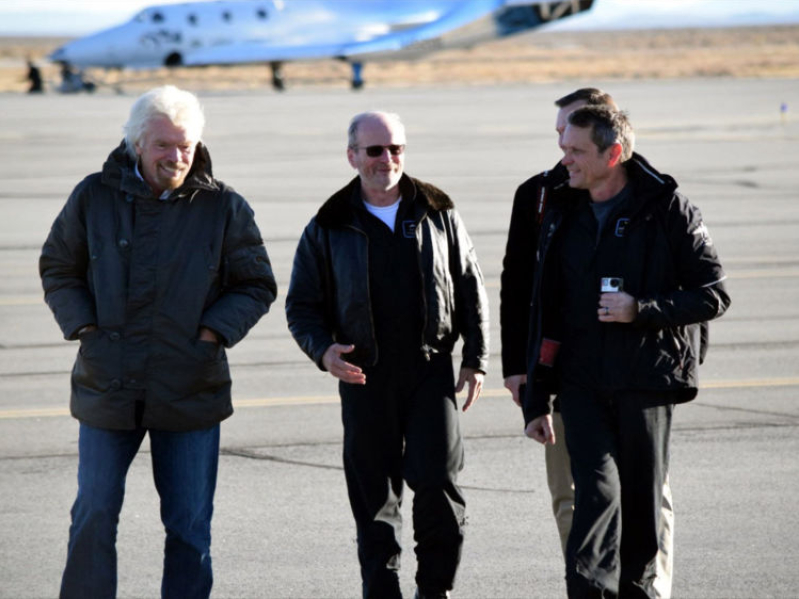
(368, 293)
(543, 250)
(426, 349)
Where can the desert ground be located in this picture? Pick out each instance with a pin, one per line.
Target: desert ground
(759, 52)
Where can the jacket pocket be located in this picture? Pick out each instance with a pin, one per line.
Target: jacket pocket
(207, 350)
(193, 367)
(97, 365)
(660, 361)
(664, 353)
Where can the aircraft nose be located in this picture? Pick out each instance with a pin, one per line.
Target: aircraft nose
(94, 50)
(68, 53)
(58, 55)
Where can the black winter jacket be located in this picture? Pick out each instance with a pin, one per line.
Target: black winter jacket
(149, 273)
(328, 297)
(518, 266)
(659, 245)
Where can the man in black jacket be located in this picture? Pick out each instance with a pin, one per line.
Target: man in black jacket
(518, 265)
(385, 281)
(529, 205)
(156, 267)
(624, 272)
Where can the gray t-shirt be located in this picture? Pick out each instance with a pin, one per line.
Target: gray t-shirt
(602, 210)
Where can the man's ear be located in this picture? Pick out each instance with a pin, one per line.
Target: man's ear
(351, 158)
(614, 154)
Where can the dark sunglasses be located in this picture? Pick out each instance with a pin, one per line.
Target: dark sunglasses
(375, 151)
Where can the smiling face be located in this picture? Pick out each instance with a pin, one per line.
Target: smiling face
(380, 175)
(166, 153)
(589, 168)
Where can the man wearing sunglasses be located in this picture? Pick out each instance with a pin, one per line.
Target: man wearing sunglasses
(385, 281)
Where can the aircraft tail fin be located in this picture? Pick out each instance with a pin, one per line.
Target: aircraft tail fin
(520, 15)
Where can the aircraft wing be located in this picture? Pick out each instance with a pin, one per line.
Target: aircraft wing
(389, 39)
(239, 53)
(460, 16)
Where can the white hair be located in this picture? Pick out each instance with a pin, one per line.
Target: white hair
(182, 108)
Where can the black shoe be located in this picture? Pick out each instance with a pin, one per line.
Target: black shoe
(434, 595)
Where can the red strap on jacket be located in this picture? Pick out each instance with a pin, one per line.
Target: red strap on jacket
(541, 203)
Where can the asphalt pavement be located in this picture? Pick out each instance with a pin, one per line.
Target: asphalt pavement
(282, 526)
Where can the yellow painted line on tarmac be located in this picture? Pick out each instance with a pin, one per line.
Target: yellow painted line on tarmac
(265, 402)
(744, 384)
(762, 273)
(17, 414)
(284, 401)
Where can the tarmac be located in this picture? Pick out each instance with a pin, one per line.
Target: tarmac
(282, 527)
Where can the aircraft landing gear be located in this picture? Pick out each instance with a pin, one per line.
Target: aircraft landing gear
(74, 81)
(357, 80)
(277, 76)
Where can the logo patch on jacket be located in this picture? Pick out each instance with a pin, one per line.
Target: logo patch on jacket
(621, 227)
(409, 229)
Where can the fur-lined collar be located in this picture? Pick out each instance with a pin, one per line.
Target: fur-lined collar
(339, 210)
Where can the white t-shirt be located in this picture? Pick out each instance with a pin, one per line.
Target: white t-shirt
(388, 214)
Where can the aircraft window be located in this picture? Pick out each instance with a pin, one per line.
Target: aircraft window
(227, 16)
(157, 17)
(192, 19)
(262, 14)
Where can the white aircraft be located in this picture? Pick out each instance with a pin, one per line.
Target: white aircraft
(226, 32)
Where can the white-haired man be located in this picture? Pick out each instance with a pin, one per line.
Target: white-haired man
(156, 267)
(385, 281)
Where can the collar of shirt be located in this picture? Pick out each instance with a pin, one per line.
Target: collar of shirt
(164, 195)
(388, 214)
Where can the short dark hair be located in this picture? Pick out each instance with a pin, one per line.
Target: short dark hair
(590, 95)
(607, 126)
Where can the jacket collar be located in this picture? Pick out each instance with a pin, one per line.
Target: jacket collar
(339, 210)
(647, 178)
(557, 176)
(649, 185)
(119, 172)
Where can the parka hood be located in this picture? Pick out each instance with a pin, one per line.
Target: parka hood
(119, 172)
(647, 178)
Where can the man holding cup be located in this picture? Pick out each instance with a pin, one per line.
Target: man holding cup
(625, 274)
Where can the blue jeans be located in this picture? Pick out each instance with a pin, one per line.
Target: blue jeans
(184, 469)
